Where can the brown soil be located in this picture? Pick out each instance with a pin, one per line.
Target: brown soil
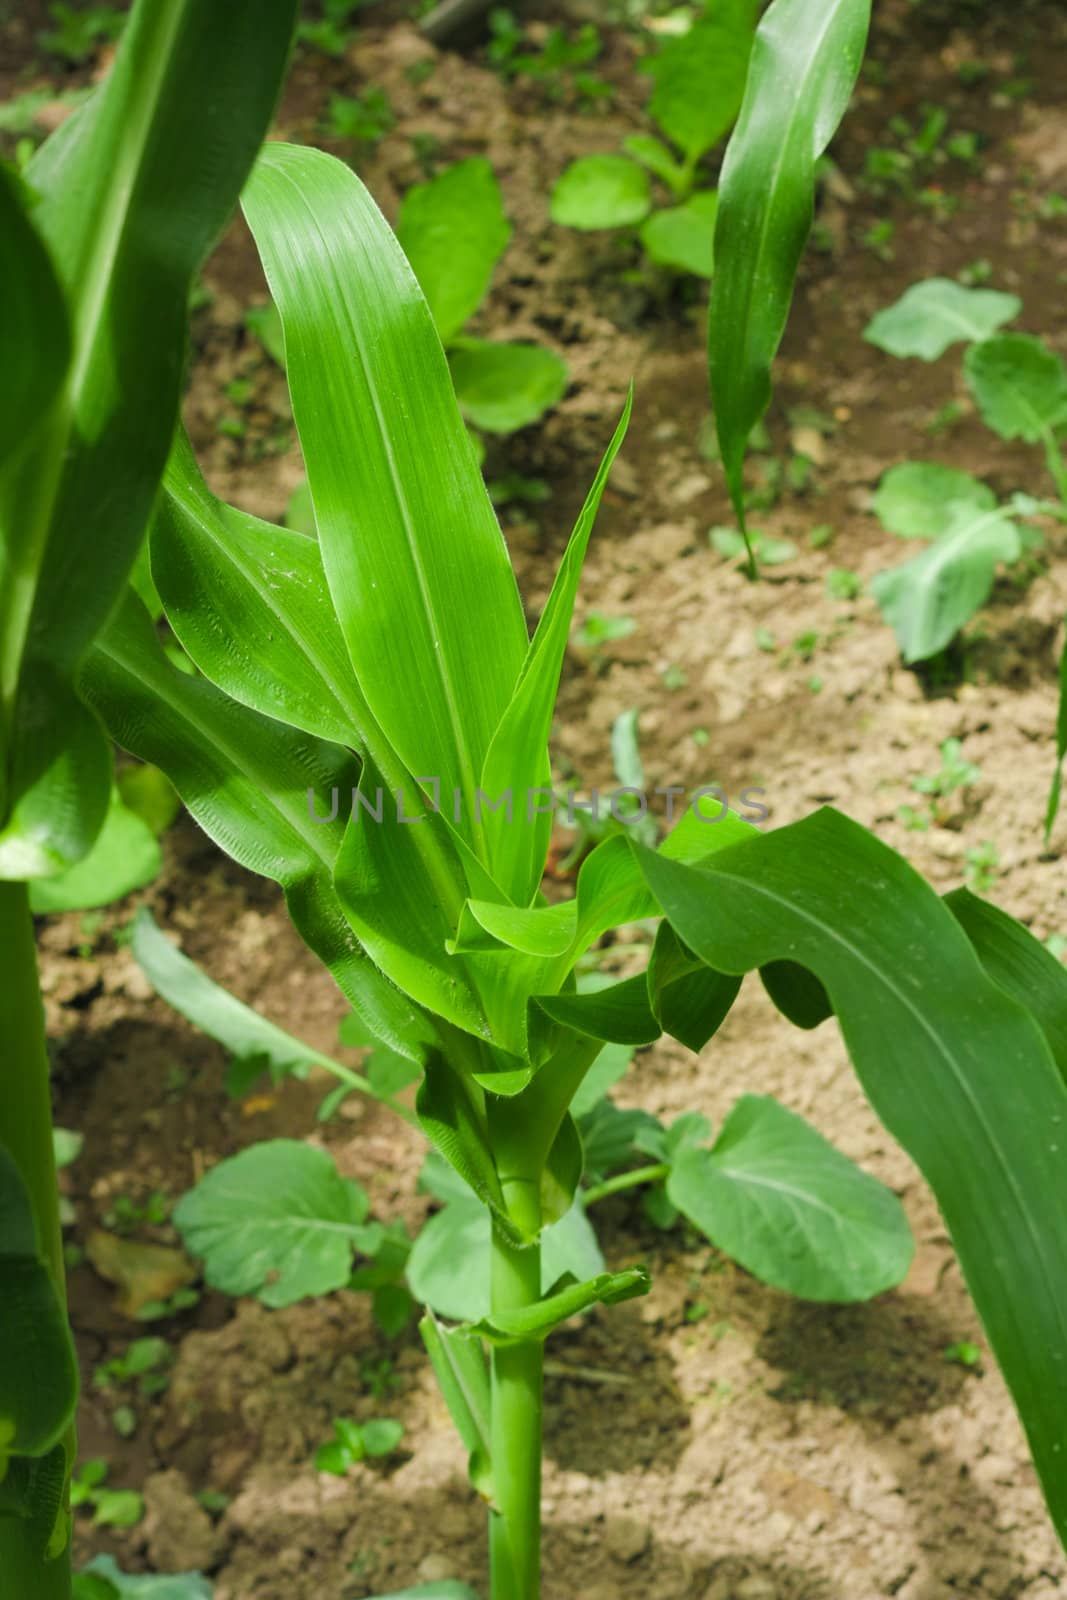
(716, 1440)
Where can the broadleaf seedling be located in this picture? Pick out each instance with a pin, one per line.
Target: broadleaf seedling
(699, 79)
(454, 231)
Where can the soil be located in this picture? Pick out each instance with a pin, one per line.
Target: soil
(716, 1441)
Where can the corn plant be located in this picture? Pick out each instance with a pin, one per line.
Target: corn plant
(100, 242)
(371, 730)
(699, 80)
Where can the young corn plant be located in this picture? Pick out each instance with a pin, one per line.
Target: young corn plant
(371, 730)
(100, 243)
(377, 743)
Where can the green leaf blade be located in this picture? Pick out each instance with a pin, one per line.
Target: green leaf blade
(795, 1212)
(937, 313)
(453, 231)
(805, 60)
(407, 534)
(955, 1068)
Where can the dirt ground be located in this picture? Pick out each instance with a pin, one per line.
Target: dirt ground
(716, 1441)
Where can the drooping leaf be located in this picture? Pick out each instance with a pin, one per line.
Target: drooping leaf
(805, 60)
(937, 313)
(620, 1014)
(795, 1212)
(956, 1068)
(605, 191)
(700, 77)
(915, 498)
(1020, 963)
(504, 387)
(463, 1377)
(246, 780)
(125, 856)
(928, 599)
(539, 1320)
(244, 1032)
(133, 189)
(1019, 385)
(689, 1000)
(453, 231)
(683, 237)
(407, 534)
(277, 1221)
(250, 604)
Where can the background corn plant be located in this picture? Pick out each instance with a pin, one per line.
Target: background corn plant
(100, 243)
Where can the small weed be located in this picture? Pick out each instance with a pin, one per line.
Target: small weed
(360, 119)
(77, 33)
(983, 866)
(112, 1508)
(355, 1441)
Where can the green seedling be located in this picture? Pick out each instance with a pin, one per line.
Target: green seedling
(963, 1354)
(144, 1366)
(78, 32)
(769, 552)
(1020, 389)
(333, 32)
(843, 584)
(454, 231)
(955, 777)
(355, 1441)
(559, 63)
(699, 79)
(360, 119)
(983, 866)
(111, 1508)
(597, 630)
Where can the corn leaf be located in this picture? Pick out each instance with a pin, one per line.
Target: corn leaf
(34, 332)
(250, 604)
(246, 779)
(805, 60)
(133, 189)
(408, 537)
(517, 759)
(959, 1071)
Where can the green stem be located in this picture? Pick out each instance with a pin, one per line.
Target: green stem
(625, 1180)
(26, 1132)
(517, 1378)
(1056, 464)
